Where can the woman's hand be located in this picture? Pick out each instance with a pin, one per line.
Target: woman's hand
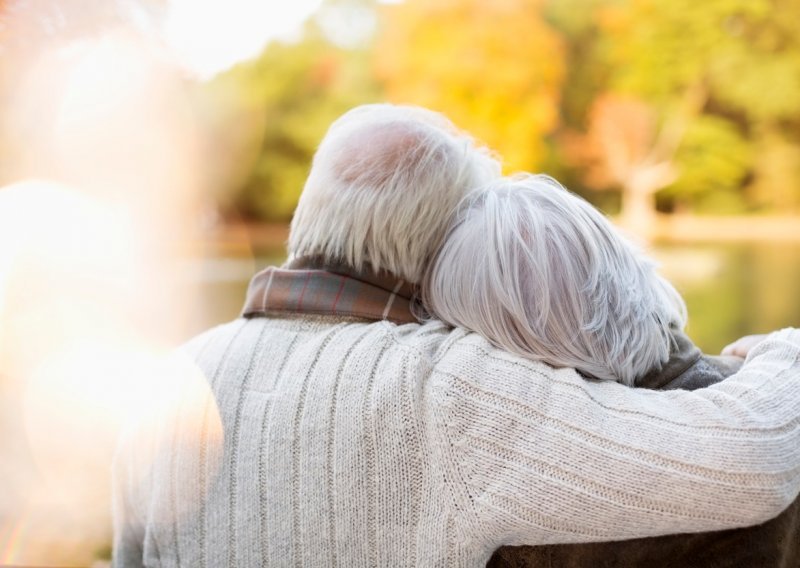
(741, 347)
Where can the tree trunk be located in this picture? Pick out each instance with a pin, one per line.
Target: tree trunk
(639, 210)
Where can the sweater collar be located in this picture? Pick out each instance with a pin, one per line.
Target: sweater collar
(310, 286)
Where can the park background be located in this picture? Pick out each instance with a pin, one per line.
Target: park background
(170, 141)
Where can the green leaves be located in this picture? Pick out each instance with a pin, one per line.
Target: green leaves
(291, 94)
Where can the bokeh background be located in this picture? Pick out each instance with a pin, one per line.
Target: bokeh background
(152, 153)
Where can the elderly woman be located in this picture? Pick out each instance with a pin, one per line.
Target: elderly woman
(541, 273)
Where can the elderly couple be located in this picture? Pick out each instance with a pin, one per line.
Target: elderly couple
(454, 368)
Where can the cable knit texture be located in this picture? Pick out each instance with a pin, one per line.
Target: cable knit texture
(349, 443)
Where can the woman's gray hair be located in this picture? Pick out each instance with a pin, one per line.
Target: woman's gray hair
(384, 183)
(540, 272)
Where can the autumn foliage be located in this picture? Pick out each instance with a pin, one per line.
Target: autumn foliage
(677, 106)
(495, 68)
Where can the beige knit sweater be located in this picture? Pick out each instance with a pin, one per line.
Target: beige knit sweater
(348, 443)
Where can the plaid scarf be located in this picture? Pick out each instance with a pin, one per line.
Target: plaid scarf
(309, 286)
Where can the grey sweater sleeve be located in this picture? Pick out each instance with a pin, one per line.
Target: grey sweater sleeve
(688, 368)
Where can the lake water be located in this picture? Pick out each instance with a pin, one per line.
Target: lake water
(730, 289)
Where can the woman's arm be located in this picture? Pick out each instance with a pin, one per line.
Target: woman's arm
(539, 455)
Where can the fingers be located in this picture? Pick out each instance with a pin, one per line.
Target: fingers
(741, 347)
(729, 349)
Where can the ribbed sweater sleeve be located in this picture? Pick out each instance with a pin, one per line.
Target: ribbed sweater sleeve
(537, 456)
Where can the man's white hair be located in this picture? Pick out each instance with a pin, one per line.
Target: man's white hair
(540, 272)
(382, 188)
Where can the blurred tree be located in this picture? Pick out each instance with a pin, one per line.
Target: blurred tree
(495, 68)
(586, 77)
(586, 58)
(713, 160)
(745, 55)
(273, 113)
(624, 148)
(776, 182)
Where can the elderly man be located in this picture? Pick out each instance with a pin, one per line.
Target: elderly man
(340, 430)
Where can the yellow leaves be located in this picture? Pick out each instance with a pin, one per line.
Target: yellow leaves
(495, 68)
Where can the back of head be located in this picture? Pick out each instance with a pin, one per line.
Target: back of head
(384, 183)
(541, 273)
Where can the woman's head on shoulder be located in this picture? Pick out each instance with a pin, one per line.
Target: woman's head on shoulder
(540, 272)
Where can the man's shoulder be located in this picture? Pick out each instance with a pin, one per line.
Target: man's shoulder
(447, 351)
(195, 345)
(423, 340)
(466, 359)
